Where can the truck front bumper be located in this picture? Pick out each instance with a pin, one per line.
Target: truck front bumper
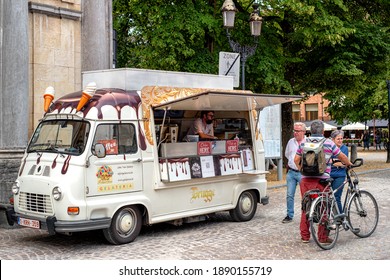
(53, 226)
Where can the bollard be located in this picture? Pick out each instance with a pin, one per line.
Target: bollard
(353, 152)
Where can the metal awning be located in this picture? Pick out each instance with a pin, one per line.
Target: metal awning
(226, 101)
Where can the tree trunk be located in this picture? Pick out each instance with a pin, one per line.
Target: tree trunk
(287, 127)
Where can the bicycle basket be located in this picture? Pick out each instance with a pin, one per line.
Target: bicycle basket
(307, 199)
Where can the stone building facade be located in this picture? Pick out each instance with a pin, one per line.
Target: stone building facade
(44, 43)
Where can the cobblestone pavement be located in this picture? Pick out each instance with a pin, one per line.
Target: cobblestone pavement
(264, 237)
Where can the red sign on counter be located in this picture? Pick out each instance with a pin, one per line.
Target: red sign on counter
(232, 146)
(204, 148)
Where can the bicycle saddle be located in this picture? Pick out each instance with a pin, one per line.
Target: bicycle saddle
(326, 181)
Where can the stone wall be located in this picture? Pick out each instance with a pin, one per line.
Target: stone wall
(14, 113)
(9, 165)
(55, 51)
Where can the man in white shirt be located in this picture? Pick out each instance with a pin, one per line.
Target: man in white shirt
(293, 175)
(203, 126)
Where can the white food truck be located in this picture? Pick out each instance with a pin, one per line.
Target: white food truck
(114, 159)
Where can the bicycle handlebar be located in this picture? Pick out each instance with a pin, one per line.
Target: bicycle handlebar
(357, 163)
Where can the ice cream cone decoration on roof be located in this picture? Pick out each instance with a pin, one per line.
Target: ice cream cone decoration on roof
(48, 96)
(88, 92)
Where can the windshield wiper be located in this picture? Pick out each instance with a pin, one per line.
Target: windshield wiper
(51, 148)
(42, 148)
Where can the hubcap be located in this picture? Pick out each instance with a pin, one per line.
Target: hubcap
(246, 204)
(126, 222)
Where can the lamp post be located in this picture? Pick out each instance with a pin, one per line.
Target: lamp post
(255, 20)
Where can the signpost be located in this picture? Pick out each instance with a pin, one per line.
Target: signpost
(229, 65)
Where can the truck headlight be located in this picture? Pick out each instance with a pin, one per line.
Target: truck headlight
(15, 188)
(57, 193)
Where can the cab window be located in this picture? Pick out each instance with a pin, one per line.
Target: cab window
(116, 138)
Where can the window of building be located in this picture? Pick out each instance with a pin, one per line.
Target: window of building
(296, 112)
(311, 112)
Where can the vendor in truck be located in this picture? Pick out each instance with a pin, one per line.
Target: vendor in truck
(203, 126)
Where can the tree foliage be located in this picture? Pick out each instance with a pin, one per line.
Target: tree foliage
(340, 47)
(167, 35)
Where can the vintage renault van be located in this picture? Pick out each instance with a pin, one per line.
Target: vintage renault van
(114, 160)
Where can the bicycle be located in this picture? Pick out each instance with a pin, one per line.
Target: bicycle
(360, 210)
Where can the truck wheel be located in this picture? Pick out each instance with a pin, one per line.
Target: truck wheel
(125, 226)
(246, 207)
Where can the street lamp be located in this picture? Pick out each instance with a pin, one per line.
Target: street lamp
(255, 20)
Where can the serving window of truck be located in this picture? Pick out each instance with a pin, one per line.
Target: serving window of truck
(184, 158)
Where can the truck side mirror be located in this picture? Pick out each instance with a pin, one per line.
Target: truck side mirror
(100, 150)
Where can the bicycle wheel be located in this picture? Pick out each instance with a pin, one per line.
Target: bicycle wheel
(324, 229)
(363, 213)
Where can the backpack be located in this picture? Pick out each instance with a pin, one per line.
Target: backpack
(313, 159)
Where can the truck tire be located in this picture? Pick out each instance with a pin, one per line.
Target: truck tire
(125, 226)
(246, 207)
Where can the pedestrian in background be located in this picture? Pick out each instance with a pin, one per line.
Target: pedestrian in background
(366, 140)
(378, 141)
(293, 175)
(338, 171)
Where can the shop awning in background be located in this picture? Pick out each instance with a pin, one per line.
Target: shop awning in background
(354, 126)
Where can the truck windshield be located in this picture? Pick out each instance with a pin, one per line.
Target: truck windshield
(60, 136)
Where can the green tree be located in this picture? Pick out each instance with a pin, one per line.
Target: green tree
(306, 46)
(340, 47)
(167, 35)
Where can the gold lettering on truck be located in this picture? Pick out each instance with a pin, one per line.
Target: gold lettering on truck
(206, 195)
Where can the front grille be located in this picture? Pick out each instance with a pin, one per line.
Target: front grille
(33, 202)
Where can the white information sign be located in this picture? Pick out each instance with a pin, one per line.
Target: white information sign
(270, 128)
(229, 65)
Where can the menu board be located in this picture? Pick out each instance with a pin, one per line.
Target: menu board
(195, 167)
(207, 163)
(271, 130)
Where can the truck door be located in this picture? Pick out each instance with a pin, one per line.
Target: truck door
(120, 171)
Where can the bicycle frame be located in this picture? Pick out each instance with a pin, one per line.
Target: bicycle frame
(359, 214)
(329, 195)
